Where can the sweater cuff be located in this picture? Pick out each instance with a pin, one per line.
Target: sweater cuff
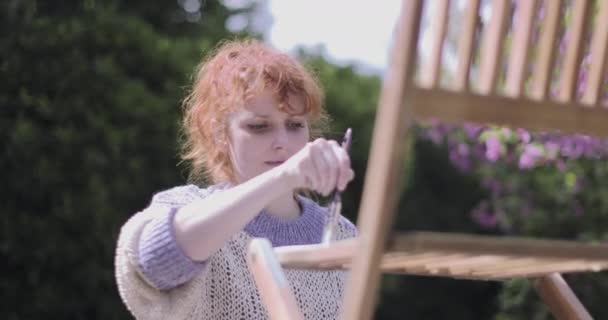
(162, 261)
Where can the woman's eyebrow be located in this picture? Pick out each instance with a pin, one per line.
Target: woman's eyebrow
(266, 116)
(296, 117)
(256, 115)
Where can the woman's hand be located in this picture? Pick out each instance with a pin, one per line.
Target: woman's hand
(322, 166)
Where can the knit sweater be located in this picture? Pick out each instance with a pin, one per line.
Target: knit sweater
(156, 280)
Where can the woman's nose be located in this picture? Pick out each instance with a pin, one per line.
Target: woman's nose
(281, 139)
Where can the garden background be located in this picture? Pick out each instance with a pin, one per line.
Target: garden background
(90, 97)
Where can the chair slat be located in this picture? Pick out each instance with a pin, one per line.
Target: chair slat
(574, 50)
(418, 242)
(546, 50)
(534, 269)
(497, 264)
(599, 53)
(473, 261)
(491, 47)
(420, 261)
(465, 47)
(520, 48)
(432, 71)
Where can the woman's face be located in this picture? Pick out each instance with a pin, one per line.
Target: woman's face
(262, 137)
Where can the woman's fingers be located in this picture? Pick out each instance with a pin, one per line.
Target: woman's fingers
(331, 177)
(322, 166)
(342, 164)
(312, 169)
(345, 173)
(334, 166)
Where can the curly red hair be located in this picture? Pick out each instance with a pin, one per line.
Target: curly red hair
(233, 73)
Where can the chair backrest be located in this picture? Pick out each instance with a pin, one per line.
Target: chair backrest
(541, 57)
(537, 27)
(476, 93)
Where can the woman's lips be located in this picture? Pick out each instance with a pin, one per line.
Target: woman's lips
(273, 163)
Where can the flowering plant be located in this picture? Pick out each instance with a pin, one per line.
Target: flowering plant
(532, 179)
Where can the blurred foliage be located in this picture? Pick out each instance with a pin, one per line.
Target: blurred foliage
(90, 103)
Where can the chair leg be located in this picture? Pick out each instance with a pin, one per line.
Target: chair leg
(385, 167)
(560, 299)
(272, 284)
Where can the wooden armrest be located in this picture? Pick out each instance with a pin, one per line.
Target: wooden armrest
(325, 256)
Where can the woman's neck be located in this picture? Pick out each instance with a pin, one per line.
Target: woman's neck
(285, 206)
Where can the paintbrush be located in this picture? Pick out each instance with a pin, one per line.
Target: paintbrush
(335, 206)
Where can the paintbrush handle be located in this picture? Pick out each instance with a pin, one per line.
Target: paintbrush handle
(335, 206)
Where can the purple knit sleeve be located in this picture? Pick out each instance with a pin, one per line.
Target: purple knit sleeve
(162, 261)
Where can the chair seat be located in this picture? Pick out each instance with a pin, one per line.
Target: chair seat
(458, 256)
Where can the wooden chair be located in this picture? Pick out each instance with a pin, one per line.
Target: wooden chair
(404, 98)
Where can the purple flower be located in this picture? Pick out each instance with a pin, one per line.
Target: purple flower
(462, 162)
(434, 135)
(572, 147)
(551, 150)
(493, 147)
(463, 149)
(472, 130)
(530, 156)
(523, 135)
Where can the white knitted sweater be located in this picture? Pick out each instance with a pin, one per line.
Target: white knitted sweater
(224, 289)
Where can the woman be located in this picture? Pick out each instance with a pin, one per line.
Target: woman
(248, 123)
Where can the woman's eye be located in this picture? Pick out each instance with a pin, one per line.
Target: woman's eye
(295, 125)
(257, 126)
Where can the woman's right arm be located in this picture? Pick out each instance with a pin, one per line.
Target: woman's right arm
(203, 226)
